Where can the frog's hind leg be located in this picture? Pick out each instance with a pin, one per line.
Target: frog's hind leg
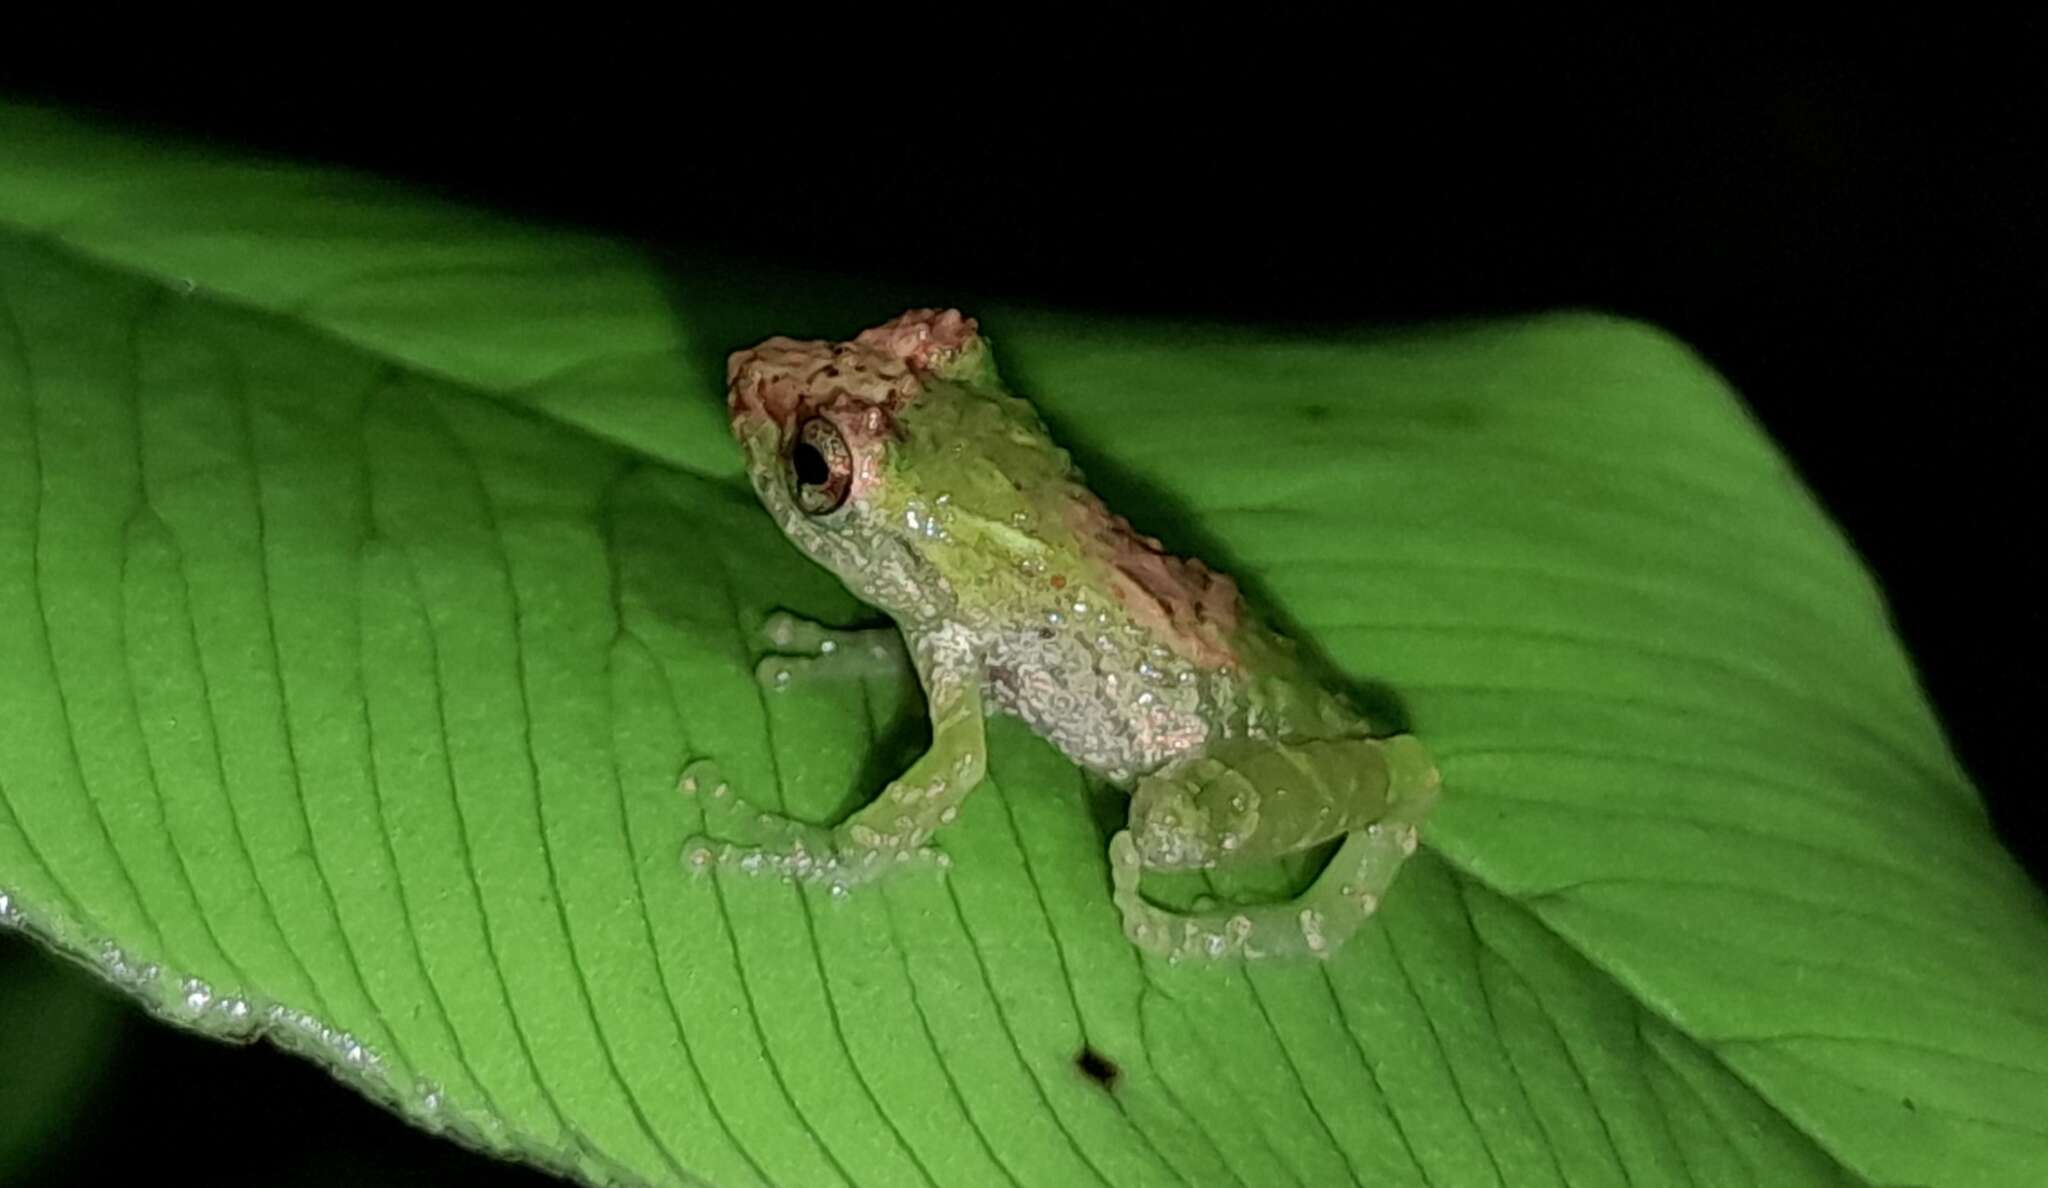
(1346, 894)
(1342, 898)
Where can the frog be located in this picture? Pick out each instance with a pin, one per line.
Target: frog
(901, 461)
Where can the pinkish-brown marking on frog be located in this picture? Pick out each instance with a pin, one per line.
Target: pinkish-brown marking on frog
(879, 372)
(927, 340)
(1193, 609)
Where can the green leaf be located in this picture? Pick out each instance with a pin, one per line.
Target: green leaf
(369, 568)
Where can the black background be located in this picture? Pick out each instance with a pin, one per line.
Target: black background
(1847, 233)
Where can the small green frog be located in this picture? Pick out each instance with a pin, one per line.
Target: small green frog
(900, 462)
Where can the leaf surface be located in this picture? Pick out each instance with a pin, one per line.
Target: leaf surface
(370, 568)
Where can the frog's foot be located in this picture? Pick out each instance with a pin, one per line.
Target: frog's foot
(1341, 899)
(804, 650)
(786, 848)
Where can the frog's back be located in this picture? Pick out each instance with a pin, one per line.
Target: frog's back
(1123, 655)
(1137, 658)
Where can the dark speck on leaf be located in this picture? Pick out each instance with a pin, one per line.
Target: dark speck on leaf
(1097, 1068)
(1316, 413)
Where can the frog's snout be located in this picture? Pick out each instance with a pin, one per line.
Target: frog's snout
(742, 390)
(736, 363)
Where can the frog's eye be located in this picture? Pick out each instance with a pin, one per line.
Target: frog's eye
(820, 467)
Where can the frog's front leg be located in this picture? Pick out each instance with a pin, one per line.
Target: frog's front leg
(895, 826)
(804, 650)
(1265, 800)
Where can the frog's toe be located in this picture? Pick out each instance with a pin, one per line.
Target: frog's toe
(792, 633)
(1175, 936)
(776, 671)
(732, 816)
(700, 776)
(703, 854)
(801, 651)
(1126, 866)
(779, 671)
(805, 854)
(703, 783)
(799, 852)
(1146, 926)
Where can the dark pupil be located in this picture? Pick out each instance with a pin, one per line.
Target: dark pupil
(811, 470)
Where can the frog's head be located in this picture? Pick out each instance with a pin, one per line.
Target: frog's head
(896, 460)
